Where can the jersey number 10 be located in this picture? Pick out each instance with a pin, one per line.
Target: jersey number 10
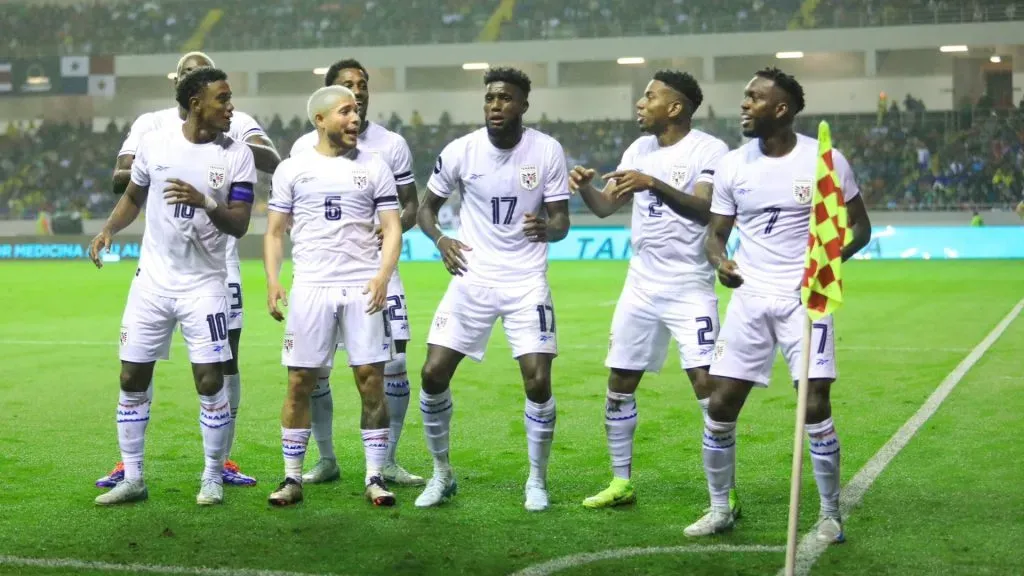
(184, 211)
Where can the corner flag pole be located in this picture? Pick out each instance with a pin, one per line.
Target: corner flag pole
(798, 447)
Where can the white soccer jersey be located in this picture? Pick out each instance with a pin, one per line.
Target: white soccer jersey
(389, 146)
(242, 128)
(183, 253)
(498, 188)
(333, 202)
(668, 250)
(771, 200)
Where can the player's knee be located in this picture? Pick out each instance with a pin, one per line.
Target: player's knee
(209, 380)
(819, 404)
(301, 381)
(134, 379)
(435, 376)
(624, 381)
(400, 346)
(538, 386)
(370, 380)
(231, 366)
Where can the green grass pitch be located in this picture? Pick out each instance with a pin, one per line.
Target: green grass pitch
(950, 503)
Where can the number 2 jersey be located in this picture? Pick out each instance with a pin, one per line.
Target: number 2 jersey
(333, 201)
(771, 200)
(498, 188)
(183, 253)
(668, 249)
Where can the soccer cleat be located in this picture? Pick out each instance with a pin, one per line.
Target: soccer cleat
(377, 492)
(714, 522)
(830, 530)
(619, 492)
(123, 493)
(439, 488)
(233, 476)
(536, 496)
(288, 492)
(326, 470)
(211, 493)
(395, 474)
(113, 479)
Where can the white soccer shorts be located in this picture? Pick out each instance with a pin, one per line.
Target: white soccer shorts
(755, 326)
(467, 313)
(149, 320)
(398, 313)
(234, 296)
(644, 321)
(318, 316)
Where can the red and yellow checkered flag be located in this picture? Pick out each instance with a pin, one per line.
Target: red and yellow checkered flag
(822, 286)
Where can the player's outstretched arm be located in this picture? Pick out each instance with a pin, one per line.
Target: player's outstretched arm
(122, 173)
(408, 196)
(859, 224)
(719, 228)
(264, 154)
(126, 211)
(599, 202)
(273, 256)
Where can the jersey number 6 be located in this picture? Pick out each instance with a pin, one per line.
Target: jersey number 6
(332, 208)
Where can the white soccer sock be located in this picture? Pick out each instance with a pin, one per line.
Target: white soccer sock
(149, 391)
(293, 446)
(322, 403)
(620, 420)
(437, 421)
(214, 422)
(704, 403)
(824, 446)
(375, 445)
(719, 459)
(396, 390)
(132, 418)
(540, 432)
(233, 384)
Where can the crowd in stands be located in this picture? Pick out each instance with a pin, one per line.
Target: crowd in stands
(904, 159)
(158, 26)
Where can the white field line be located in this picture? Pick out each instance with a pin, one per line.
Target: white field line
(575, 560)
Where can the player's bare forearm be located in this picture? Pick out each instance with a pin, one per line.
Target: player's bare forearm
(407, 195)
(391, 230)
(599, 202)
(719, 228)
(122, 173)
(273, 246)
(231, 218)
(426, 216)
(264, 155)
(691, 207)
(860, 225)
(558, 220)
(127, 208)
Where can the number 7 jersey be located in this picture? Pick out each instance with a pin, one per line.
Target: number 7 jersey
(498, 188)
(771, 200)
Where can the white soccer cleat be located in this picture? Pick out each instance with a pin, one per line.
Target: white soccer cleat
(439, 488)
(288, 493)
(536, 496)
(714, 522)
(211, 493)
(395, 474)
(378, 493)
(830, 530)
(326, 470)
(124, 492)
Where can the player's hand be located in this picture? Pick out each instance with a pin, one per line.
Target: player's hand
(536, 229)
(451, 254)
(729, 274)
(100, 243)
(377, 288)
(580, 177)
(275, 294)
(628, 182)
(181, 192)
(379, 233)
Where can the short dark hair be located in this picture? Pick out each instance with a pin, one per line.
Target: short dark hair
(787, 84)
(191, 84)
(346, 64)
(513, 76)
(683, 83)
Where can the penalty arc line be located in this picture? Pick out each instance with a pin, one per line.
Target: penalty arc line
(809, 548)
(71, 564)
(575, 560)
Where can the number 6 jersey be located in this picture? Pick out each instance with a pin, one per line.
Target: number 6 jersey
(771, 200)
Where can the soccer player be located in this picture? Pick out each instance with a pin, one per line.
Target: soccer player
(507, 175)
(197, 186)
(244, 129)
(670, 287)
(765, 189)
(340, 280)
(390, 147)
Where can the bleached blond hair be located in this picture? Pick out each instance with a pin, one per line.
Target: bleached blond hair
(325, 99)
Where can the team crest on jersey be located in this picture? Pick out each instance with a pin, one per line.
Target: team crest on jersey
(361, 179)
(124, 335)
(289, 341)
(216, 177)
(678, 177)
(528, 177)
(802, 190)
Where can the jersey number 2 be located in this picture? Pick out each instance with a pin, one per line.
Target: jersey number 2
(653, 209)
